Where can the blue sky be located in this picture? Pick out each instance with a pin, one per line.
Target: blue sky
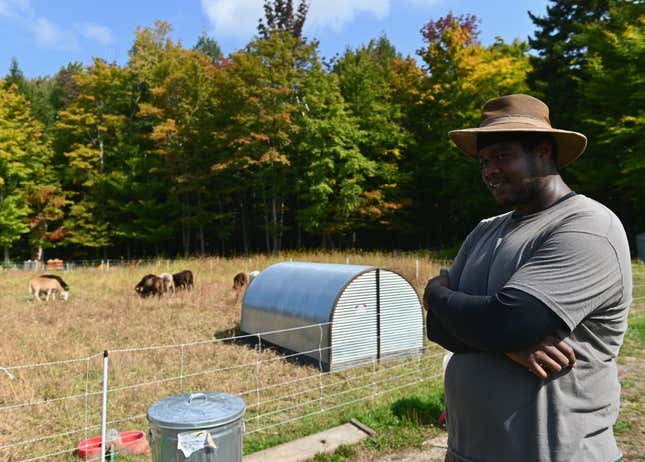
(47, 34)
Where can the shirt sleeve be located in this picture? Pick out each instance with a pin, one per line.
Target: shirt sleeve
(573, 273)
(437, 333)
(510, 321)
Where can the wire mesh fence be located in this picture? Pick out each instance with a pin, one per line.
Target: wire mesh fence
(279, 388)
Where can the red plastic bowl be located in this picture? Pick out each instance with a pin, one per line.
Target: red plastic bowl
(132, 442)
(89, 448)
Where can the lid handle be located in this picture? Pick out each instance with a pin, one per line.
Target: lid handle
(194, 396)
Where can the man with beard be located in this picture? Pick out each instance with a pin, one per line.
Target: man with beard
(544, 287)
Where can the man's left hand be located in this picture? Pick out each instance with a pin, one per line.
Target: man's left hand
(550, 355)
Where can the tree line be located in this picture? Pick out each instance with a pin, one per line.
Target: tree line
(186, 151)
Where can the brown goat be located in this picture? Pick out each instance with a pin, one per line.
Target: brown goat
(150, 285)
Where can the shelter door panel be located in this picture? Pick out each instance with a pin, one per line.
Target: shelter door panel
(401, 316)
(353, 328)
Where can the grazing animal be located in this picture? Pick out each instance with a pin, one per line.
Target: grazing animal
(168, 283)
(150, 285)
(183, 279)
(49, 285)
(240, 281)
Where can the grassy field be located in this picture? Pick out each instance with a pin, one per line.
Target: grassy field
(48, 404)
(103, 313)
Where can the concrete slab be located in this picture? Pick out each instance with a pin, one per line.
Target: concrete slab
(306, 448)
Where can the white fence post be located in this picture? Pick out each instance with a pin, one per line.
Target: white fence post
(104, 405)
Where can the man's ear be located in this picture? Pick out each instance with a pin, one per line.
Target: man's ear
(544, 150)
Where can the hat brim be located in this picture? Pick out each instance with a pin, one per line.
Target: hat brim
(570, 145)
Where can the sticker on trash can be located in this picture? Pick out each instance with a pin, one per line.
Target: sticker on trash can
(189, 442)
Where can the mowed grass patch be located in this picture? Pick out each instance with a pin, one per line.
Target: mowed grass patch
(631, 366)
(159, 347)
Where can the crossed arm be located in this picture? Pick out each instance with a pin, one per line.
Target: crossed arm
(511, 322)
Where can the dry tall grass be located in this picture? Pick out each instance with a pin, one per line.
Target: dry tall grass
(104, 313)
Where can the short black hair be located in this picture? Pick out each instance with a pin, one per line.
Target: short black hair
(528, 140)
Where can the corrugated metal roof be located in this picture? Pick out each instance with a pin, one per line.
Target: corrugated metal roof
(307, 291)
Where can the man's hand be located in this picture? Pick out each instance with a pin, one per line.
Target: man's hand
(442, 280)
(550, 354)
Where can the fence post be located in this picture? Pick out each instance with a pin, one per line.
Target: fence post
(104, 405)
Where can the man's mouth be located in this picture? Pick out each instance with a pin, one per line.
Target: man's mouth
(494, 184)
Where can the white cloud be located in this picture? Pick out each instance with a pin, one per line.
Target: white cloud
(15, 8)
(425, 2)
(96, 32)
(50, 35)
(336, 14)
(239, 18)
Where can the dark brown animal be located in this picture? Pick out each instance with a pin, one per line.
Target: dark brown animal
(150, 285)
(183, 279)
(240, 281)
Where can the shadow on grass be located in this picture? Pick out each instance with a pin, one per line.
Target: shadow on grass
(419, 411)
(235, 336)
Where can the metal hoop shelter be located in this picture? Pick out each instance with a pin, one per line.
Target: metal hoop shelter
(356, 314)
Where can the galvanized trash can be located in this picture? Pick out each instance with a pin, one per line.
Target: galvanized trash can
(197, 427)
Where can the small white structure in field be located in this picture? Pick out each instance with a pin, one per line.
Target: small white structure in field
(358, 314)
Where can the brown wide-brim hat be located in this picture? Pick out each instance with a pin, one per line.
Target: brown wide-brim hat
(520, 113)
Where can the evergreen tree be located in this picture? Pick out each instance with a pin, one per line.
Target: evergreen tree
(209, 47)
(611, 113)
(15, 77)
(560, 64)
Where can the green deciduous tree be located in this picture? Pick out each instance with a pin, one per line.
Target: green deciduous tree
(331, 172)
(261, 97)
(462, 75)
(99, 139)
(24, 158)
(367, 84)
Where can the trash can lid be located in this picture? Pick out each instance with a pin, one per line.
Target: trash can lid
(196, 411)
